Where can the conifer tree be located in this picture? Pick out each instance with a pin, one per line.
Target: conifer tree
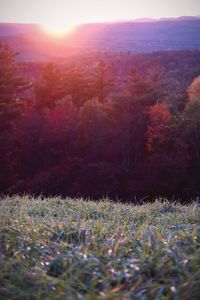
(103, 82)
(11, 84)
(141, 91)
(49, 88)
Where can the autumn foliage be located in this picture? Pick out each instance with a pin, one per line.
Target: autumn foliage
(159, 119)
(92, 131)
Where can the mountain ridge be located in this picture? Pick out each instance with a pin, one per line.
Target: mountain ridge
(136, 36)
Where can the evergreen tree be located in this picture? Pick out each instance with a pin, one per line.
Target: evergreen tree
(49, 88)
(140, 90)
(11, 84)
(76, 86)
(103, 81)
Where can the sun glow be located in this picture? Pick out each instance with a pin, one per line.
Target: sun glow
(58, 28)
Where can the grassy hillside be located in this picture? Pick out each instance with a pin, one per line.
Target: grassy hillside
(73, 249)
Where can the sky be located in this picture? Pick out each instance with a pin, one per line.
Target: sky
(87, 11)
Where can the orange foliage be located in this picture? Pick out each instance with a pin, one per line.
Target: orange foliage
(159, 120)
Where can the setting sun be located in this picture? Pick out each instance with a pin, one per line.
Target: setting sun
(58, 28)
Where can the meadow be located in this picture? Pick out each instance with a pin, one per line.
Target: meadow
(54, 248)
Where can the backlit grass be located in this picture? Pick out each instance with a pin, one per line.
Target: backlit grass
(73, 249)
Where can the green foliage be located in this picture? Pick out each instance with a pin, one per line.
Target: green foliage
(53, 248)
(10, 84)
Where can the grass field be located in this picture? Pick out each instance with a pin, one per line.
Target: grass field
(73, 249)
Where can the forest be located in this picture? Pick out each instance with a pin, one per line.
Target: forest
(100, 124)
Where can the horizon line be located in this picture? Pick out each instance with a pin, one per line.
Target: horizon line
(139, 20)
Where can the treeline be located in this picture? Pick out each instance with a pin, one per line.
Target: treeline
(89, 132)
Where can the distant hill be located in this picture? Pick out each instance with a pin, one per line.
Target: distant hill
(139, 36)
(136, 36)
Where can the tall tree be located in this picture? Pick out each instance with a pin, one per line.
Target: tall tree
(76, 86)
(142, 91)
(49, 88)
(168, 153)
(159, 120)
(11, 84)
(190, 130)
(103, 81)
(194, 90)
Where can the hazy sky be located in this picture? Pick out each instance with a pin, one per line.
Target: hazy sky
(78, 11)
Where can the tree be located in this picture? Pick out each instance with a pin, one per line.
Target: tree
(76, 86)
(131, 117)
(44, 140)
(194, 90)
(159, 120)
(94, 124)
(103, 81)
(49, 89)
(11, 84)
(190, 130)
(168, 153)
(142, 91)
